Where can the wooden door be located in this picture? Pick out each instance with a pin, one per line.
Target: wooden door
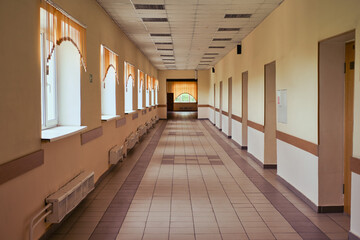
(230, 107)
(220, 106)
(244, 114)
(349, 118)
(270, 115)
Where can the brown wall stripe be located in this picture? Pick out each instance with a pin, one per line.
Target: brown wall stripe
(211, 107)
(255, 125)
(225, 113)
(355, 165)
(216, 109)
(298, 142)
(236, 118)
(120, 122)
(135, 116)
(21, 165)
(91, 135)
(162, 105)
(203, 105)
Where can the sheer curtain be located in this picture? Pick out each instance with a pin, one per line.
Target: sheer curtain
(182, 87)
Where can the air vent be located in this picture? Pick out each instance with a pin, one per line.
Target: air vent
(165, 49)
(237, 15)
(168, 59)
(163, 43)
(150, 6)
(203, 64)
(222, 39)
(211, 54)
(164, 55)
(208, 57)
(154, 19)
(205, 61)
(228, 29)
(170, 63)
(216, 47)
(160, 34)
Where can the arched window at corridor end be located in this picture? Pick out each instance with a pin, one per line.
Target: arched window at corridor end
(185, 98)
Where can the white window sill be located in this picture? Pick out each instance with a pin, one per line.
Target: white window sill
(60, 132)
(129, 112)
(109, 117)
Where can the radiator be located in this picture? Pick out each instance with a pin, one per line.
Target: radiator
(116, 154)
(148, 125)
(131, 141)
(141, 131)
(69, 196)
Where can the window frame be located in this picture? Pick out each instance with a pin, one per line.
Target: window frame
(190, 96)
(46, 122)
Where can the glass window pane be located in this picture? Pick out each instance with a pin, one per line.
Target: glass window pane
(50, 88)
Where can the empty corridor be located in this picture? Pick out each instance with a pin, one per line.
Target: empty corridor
(186, 180)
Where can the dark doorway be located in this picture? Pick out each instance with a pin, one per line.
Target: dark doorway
(170, 101)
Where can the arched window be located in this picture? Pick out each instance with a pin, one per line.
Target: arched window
(185, 98)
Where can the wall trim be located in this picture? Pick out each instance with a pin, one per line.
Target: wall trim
(91, 135)
(355, 165)
(298, 142)
(120, 122)
(256, 126)
(211, 107)
(162, 105)
(135, 116)
(216, 109)
(21, 165)
(353, 236)
(236, 118)
(261, 164)
(225, 113)
(203, 105)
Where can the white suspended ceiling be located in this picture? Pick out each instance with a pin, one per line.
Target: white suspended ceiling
(190, 25)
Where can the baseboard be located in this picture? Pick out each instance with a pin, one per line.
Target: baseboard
(229, 137)
(330, 209)
(261, 164)
(243, 147)
(353, 236)
(202, 118)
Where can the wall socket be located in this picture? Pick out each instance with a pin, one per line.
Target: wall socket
(91, 78)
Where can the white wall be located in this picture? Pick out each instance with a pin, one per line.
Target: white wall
(355, 206)
(256, 143)
(225, 124)
(299, 168)
(237, 131)
(203, 112)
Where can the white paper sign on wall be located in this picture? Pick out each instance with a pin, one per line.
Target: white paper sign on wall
(281, 103)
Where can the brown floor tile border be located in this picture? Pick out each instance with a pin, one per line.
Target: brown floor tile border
(123, 198)
(91, 135)
(256, 126)
(21, 165)
(261, 164)
(355, 165)
(236, 118)
(120, 122)
(298, 142)
(302, 224)
(353, 236)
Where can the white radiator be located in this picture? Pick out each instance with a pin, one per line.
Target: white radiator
(148, 125)
(131, 141)
(116, 154)
(141, 131)
(69, 196)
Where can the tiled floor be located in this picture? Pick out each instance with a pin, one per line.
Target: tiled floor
(187, 181)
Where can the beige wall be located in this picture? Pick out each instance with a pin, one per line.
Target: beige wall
(203, 83)
(21, 198)
(290, 35)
